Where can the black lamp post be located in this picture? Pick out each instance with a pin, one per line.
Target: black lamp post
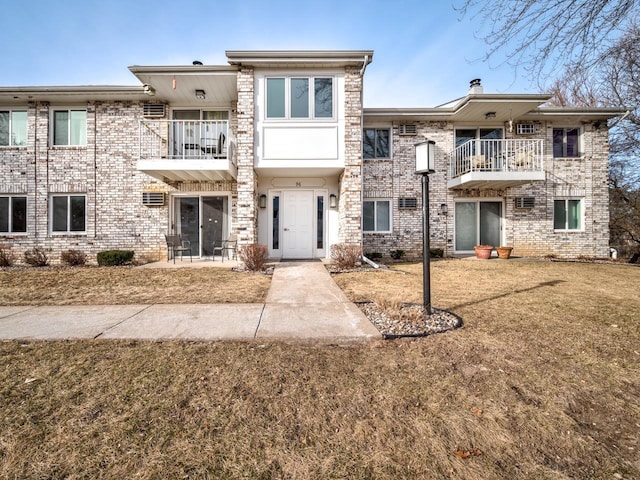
(425, 164)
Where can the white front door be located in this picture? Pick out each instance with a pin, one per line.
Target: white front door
(297, 234)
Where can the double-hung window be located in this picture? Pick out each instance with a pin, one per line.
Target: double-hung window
(566, 142)
(70, 127)
(376, 216)
(13, 128)
(13, 214)
(68, 213)
(375, 143)
(567, 214)
(299, 97)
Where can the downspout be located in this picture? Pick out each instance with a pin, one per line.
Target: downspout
(362, 70)
(35, 169)
(95, 170)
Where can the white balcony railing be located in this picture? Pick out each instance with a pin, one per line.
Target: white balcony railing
(497, 156)
(186, 139)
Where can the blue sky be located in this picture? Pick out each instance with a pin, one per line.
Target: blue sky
(423, 52)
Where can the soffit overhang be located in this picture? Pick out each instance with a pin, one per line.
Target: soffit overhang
(177, 84)
(300, 58)
(473, 109)
(10, 96)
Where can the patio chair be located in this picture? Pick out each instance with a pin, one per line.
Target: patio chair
(176, 244)
(229, 245)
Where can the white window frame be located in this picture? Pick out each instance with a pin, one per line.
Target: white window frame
(566, 210)
(389, 201)
(311, 98)
(68, 197)
(382, 127)
(52, 122)
(11, 111)
(564, 140)
(11, 231)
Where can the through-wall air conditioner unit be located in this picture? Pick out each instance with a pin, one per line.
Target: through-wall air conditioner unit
(406, 203)
(524, 202)
(154, 109)
(153, 199)
(525, 129)
(407, 129)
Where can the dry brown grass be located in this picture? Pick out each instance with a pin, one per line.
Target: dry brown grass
(127, 285)
(542, 382)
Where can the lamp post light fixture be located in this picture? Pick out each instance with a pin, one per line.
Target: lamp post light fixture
(425, 164)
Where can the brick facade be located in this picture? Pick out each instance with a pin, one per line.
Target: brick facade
(350, 199)
(105, 171)
(529, 231)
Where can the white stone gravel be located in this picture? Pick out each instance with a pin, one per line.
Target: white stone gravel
(391, 326)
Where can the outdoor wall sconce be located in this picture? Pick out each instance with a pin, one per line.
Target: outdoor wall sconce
(489, 115)
(262, 201)
(333, 200)
(443, 209)
(200, 94)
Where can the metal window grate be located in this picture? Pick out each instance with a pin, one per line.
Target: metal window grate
(154, 110)
(525, 129)
(153, 199)
(407, 203)
(524, 202)
(407, 130)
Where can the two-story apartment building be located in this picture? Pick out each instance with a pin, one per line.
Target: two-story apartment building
(277, 147)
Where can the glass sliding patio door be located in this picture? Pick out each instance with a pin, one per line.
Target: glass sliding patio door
(477, 223)
(202, 220)
(213, 223)
(187, 221)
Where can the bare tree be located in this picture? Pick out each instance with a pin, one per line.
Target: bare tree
(614, 81)
(543, 35)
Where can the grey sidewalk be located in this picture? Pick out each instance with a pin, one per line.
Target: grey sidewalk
(303, 303)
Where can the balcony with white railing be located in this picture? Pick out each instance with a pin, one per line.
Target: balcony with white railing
(496, 163)
(186, 150)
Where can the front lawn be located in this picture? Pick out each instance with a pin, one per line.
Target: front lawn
(542, 382)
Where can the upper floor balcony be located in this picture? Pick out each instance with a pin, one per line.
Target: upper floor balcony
(498, 163)
(187, 150)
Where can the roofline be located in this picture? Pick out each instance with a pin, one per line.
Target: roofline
(182, 69)
(74, 89)
(348, 57)
(611, 111)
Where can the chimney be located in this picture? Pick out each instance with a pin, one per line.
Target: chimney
(475, 87)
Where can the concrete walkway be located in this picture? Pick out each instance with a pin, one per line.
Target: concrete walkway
(303, 303)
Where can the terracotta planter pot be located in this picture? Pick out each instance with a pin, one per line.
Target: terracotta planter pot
(483, 251)
(504, 252)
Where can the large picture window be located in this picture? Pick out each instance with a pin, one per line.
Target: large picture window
(566, 142)
(13, 214)
(13, 128)
(376, 216)
(567, 214)
(375, 143)
(68, 213)
(299, 97)
(70, 127)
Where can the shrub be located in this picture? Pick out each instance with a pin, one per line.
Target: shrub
(397, 254)
(436, 252)
(346, 255)
(113, 258)
(73, 258)
(6, 257)
(36, 257)
(253, 256)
